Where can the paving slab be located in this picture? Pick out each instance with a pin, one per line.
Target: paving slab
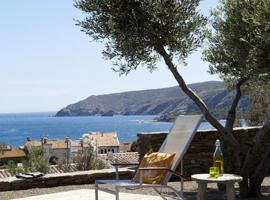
(87, 194)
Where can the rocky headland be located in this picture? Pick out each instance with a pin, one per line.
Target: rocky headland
(165, 102)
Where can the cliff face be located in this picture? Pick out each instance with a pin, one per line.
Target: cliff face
(165, 102)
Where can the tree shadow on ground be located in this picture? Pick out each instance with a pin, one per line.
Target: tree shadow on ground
(214, 194)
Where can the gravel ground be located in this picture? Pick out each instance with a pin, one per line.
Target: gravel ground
(190, 191)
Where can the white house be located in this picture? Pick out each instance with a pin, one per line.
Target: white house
(104, 142)
(55, 149)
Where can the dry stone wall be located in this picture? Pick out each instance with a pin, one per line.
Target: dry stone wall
(198, 158)
(71, 178)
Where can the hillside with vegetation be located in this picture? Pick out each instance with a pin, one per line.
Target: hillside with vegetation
(166, 102)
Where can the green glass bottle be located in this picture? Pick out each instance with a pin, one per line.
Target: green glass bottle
(218, 158)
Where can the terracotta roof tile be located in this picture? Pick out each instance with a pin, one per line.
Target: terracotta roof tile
(4, 173)
(75, 143)
(125, 147)
(128, 157)
(33, 143)
(55, 169)
(56, 144)
(108, 139)
(12, 153)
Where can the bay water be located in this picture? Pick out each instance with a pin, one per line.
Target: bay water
(15, 128)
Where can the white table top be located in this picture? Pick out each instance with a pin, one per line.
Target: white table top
(221, 179)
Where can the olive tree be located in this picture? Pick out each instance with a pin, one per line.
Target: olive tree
(257, 162)
(259, 110)
(143, 32)
(239, 51)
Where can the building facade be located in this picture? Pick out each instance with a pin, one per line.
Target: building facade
(103, 142)
(54, 149)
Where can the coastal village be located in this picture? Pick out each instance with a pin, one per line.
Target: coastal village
(105, 145)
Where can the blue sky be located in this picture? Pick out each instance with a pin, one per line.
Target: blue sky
(47, 63)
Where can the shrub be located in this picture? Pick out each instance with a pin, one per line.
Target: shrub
(87, 160)
(135, 146)
(13, 169)
(37, 161)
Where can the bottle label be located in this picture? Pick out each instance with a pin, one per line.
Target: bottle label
(219, 165)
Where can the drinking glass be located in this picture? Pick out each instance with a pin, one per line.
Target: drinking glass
(214, 172)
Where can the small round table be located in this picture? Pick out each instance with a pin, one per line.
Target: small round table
(228, 179)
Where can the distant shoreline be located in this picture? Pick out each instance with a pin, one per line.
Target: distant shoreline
(29, 114)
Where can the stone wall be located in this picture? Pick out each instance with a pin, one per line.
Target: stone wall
(198, 158)
(53, 180)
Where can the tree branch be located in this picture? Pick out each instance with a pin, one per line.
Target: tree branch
(196, 99)
(232, 112)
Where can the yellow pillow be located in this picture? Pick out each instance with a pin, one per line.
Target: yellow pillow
(155, 159)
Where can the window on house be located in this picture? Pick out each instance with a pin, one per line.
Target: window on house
(113, 150)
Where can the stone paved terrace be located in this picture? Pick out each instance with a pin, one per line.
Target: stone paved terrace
(86, 192)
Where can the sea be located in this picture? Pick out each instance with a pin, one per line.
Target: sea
(15, 128)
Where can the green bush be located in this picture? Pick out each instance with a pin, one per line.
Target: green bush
(87, 160)
(36, 161)
(135, 146)
(13, 169)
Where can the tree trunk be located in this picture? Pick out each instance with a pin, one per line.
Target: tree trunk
(232, 112)
(249, 166)
(230, 120)
(261, 171)
(229, 138)
(244, 187)
(196, 99)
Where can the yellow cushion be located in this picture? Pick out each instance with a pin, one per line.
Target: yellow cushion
(155, 159)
